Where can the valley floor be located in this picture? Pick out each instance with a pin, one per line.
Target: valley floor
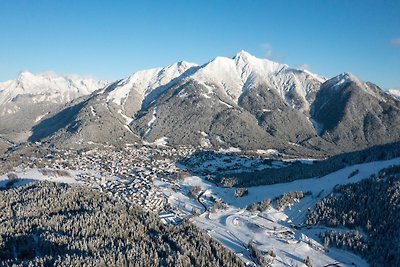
(151, 178)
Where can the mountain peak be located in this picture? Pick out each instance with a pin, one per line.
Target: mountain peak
(243, 54)
(348, 76)
(395, 92)
(55, 88)
(342, 79)
(25, 74)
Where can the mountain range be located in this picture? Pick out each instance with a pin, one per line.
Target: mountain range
(242, 102)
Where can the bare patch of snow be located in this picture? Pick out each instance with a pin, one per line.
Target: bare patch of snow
(93, 111)
(219, 139)
(203, 134)
(39, 118)
(128, 120)
(224, 103)
(151, 122)
(162, 141)
(293, 144)
(230, 150)
(267, 152)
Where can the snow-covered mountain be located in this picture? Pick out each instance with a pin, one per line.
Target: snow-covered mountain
(244, 71)
(47, 87)
(243, 102)
(28, 99)
(395, 93)
(352, 113)
(231, 76)
(145, 86)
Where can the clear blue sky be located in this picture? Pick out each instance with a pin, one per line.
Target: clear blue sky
(112, 39)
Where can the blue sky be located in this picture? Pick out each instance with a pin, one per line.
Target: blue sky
(112, 39)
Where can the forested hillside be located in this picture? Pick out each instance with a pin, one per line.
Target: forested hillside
(48, 224)
(367, 217)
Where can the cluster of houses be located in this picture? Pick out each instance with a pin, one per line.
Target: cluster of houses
(127, 173)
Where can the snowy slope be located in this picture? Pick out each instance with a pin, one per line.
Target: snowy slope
(235, 226)
(395, 93)
(146, 81)
(234, 76)
(47, 87)
(244, 71)
(340, 81)
(237, 74)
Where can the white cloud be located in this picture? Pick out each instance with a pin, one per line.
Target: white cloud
(267, 50)
(270, 54)
(395, 41)
(303, 67)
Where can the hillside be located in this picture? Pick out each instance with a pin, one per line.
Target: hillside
(364, 217)
(64, 225)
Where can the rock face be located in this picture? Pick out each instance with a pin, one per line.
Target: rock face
(242, 102)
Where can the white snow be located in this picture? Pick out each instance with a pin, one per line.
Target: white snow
(39, 118)
(230, 150)
(152, 81)
(235, 75)
(31, 175)
(267, 152)
(219, 139)
(203, 134)
(129, 129)
(395, 93)
(224, 103)
(205, 142)
(315, 185)
(48, 87)
(151, 122)
(293, 144)
(337, 83)
(320, 78)
(205, 96)
(234, 227)
(153, 119)
(93, 111)
(128, 120)
(162, 141)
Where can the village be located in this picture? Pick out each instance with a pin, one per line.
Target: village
(128, 173)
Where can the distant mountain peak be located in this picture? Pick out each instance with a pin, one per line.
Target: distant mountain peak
(146, 81)
(262, 63)
(57, 88)
(348, 76)
(243, 54)
(395, 92)
(341, 80)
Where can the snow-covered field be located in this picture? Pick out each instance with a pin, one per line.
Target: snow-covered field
(30, 175)
(279, 233)
(272, 230)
